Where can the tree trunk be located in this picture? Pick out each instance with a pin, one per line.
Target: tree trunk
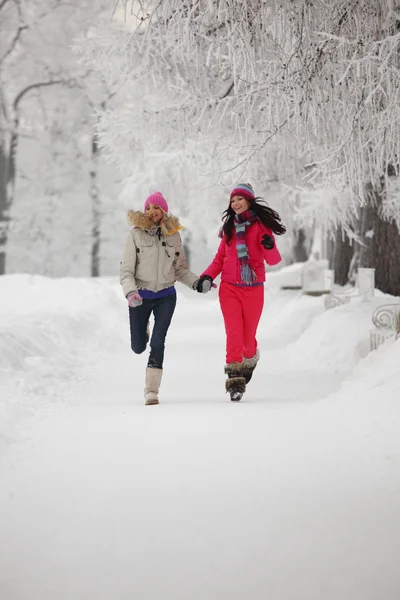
(7, 189)
(8, 174)
(341, 257)
(300, 252)
(381, 245)
(8, 167)
(3, 207)
(96, 212)
(319, 245)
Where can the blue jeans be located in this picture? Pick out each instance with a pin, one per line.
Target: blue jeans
(163, 309)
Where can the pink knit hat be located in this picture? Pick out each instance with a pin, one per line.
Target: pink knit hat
(158, 199)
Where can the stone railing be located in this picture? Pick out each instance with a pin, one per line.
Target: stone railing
(386, 321)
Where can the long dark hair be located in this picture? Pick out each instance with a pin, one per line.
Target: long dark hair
(268, 217)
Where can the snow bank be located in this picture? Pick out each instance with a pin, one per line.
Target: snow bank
(373, 382)
(53, 330)
(314, 338)
(47, 318)
(335, 340)
(50, 330)
(288, 315)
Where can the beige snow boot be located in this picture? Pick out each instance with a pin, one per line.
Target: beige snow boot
(153, 380)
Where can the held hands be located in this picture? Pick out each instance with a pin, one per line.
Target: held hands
(267, 241)
(134, 299)
(204, 284)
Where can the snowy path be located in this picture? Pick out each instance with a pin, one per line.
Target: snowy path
(283, 496)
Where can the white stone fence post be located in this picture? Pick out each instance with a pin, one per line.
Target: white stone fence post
(317, 278)
(366, 283)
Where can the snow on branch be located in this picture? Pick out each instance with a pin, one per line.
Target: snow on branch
(259, 78)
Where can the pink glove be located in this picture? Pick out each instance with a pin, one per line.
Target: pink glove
(134, 299)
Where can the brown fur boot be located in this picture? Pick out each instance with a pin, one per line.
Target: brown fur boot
(249, 364)
(153, 380)
(236, 383)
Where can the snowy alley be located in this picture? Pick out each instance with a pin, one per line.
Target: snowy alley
(291, 494)
(138, 140)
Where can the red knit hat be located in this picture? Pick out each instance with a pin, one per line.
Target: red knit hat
(244, 190)
(158, 199)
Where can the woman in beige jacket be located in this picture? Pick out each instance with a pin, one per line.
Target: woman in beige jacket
(153, 260)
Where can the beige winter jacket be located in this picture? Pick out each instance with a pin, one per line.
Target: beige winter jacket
(151, 261)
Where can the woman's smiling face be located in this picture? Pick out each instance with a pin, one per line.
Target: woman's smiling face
(154, 213)
(240, 204)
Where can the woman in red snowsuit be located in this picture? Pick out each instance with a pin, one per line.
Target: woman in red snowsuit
(247, 241)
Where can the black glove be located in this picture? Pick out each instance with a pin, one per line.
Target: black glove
(267, 241)
(203, 285)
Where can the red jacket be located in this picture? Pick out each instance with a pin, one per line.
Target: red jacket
(226, 259)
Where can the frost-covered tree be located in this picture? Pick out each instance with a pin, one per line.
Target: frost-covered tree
(309, 82)
(50, 169)
(20, 78)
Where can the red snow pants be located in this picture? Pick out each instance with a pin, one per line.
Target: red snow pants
(241, 308)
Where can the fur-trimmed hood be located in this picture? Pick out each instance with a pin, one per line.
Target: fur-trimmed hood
(169, 224)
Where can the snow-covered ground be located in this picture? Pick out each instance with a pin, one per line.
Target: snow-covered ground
(291, 494)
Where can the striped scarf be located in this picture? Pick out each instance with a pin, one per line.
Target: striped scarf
(241, 222)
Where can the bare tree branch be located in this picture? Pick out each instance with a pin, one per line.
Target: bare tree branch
(24, 27)
(3, 3)
(228, 91)
(13, 42)
(35, 86)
